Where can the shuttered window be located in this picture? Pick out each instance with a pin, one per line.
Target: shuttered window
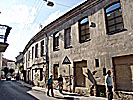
(67, 37)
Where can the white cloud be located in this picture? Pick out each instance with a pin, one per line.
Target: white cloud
(16, 17)
(52, 17)
(18, 14)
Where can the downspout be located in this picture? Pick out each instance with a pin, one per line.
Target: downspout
(47, 58)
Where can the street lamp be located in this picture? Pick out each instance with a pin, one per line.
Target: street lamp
(49, 3)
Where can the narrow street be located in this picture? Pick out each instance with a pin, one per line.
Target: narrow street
(12, 90)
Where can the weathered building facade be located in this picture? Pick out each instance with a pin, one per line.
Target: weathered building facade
(19, 70)
(35, 60)
(95, 36)
(85, 42)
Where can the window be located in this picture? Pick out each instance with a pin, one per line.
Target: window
(32, 52)
(56, 41)
(114, 21)
(42, 48)
(26, 61)
(29, 56)
(36, 50)
(67, 38)
(84, 33)
(97, 62)
(56, 66)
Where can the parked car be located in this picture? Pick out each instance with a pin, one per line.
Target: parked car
(8, 78)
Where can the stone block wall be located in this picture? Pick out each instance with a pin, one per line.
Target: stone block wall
(101, 46)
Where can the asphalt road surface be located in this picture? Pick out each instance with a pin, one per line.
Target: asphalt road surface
(11, 90)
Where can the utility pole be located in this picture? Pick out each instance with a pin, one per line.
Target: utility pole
(70, 83)
(47, 57)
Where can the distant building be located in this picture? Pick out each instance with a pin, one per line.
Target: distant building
(4, 32)
(35, 60)
(8, 63)
(20, 66)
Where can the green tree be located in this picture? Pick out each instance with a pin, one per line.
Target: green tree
(21, 68)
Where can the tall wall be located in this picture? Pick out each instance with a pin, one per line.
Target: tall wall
(101, 45)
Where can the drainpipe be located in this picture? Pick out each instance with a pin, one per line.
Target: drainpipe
(47, 58)
(70, 79)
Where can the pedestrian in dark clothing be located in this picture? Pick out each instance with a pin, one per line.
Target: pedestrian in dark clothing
(108, 82)
(50, 85)
(60, 83)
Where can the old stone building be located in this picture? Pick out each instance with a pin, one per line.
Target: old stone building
(35, 60)
(84, 43)
(94, 37)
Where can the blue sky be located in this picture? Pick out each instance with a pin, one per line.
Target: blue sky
(25, 17)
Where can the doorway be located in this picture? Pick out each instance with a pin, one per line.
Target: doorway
(79, 78)
(123, 73)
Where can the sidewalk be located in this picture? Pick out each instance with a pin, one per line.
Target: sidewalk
(68, 95)
(64, 95)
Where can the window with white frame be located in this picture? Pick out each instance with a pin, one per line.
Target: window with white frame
(56, 41)
(67, 37)
(42, 48)
(36, 50)
(32, 52)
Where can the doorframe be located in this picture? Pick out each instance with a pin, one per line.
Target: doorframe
(74, 71)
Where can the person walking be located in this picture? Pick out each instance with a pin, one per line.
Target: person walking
(60, 83)
(108, 82)
(50, 86)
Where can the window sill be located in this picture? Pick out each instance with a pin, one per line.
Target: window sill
(70, 46)
(117, 31)
(85, 41)
(57, 49)
(126, 92)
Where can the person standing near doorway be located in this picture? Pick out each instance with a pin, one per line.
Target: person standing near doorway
(60, 83)
(50, 86)
(108, 82)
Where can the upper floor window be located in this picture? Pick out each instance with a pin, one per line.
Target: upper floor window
(84, 33)
(32, 52)
(42, 48)
(67, 37)
(28, 55)
(56, 41)
(36, 50)
(26, 60)
(114, 21)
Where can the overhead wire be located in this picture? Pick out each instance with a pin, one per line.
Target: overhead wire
(62, 5)
(36, 5)
(41, 8)
(37, 14)
(28, 16)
